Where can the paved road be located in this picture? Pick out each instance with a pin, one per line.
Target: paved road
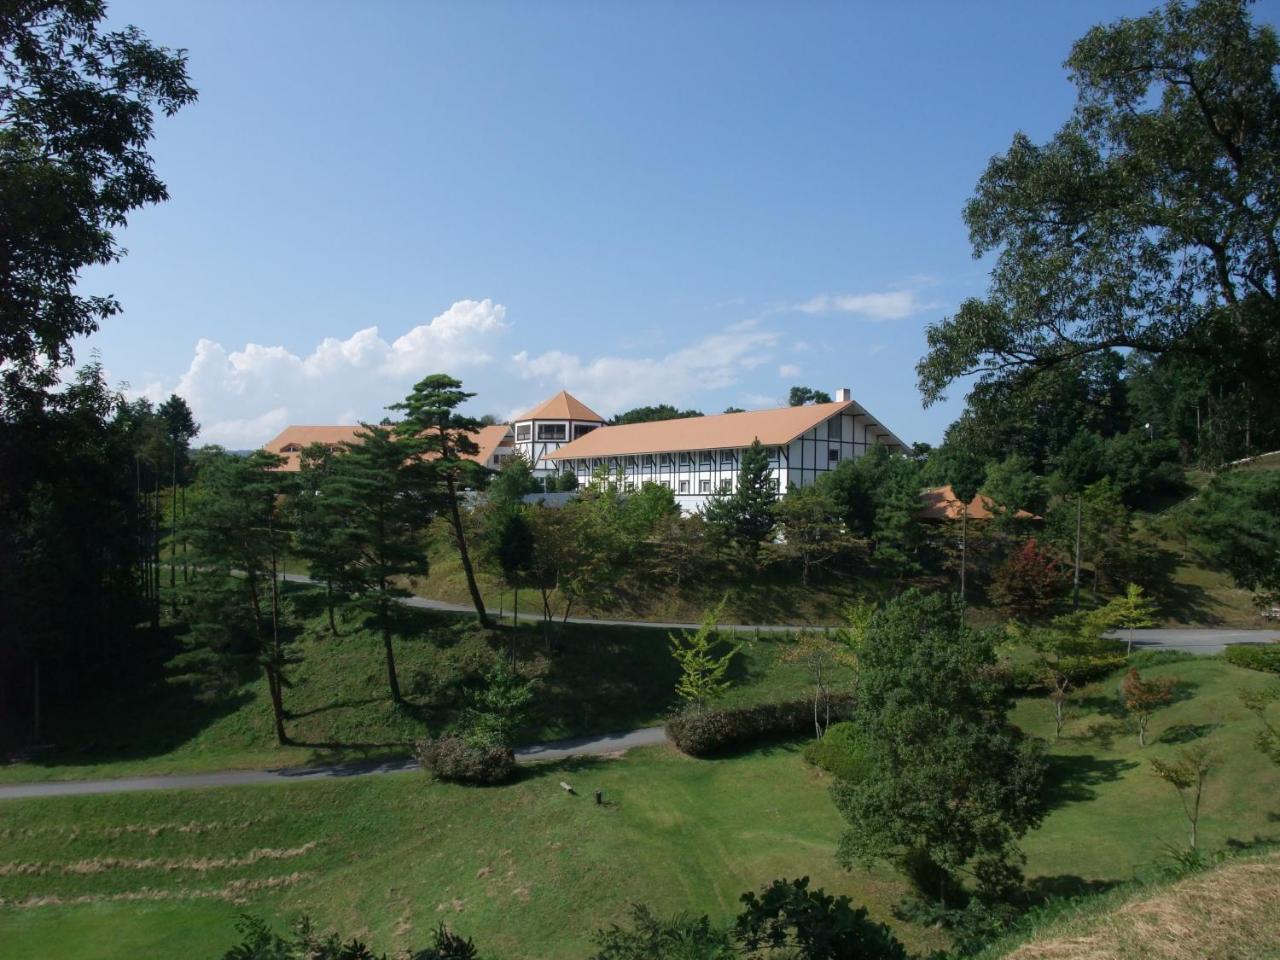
(1195, 639)
(555, 750)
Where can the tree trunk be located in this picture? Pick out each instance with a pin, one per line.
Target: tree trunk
(1075, 580)
(36, 731)
(173, 532)
(184, 535)
(455, 515)
(333, 626)
(964, 546)
(155, 556)
(273, 677)
(384, 622)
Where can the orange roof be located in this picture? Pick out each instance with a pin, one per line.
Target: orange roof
(563, 406)
(488, 439)
(941, 503)
(771, 427)
(304, 436)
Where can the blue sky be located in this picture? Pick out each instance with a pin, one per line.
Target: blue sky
(694, 203)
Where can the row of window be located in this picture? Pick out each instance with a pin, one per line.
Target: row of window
(705, 458)
(553, 431)
(685, 487)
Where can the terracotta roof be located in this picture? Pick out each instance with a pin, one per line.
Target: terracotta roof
(563, 406)
(774, 427)
(941, 503)
(304, 436)
(488, 439)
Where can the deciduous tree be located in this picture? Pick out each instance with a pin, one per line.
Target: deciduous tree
(702, 668)
(1187, 775)
(1143, 697)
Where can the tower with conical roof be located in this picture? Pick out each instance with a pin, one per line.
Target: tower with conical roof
(549, 426)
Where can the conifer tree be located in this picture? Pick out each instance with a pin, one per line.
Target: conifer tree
(747, 514)
(383, 493)
(446, 437)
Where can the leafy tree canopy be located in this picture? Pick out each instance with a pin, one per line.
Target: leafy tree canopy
(799, 396)
(1148, 222)
(77, 108)
(661, 411)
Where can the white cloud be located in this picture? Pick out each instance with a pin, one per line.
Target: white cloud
(616, 383)
(886, 305)
(789, 370)
(244, 397)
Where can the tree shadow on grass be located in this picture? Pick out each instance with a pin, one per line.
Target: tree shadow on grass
(1073, 779)
(1186, 732)
(1101, 734)
(1182, 602)
(1064, 886)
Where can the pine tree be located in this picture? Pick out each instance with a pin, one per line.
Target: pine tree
(748, 513)
(446, 437)
(702, 671)
(387, 502)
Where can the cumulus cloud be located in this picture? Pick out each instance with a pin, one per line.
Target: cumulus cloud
(789, 370)
(885, 305)
(616, 383)
(244, 397)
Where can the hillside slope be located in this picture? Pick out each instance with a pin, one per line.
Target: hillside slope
(1231, 911)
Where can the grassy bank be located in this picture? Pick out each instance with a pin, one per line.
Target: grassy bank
(600, 680)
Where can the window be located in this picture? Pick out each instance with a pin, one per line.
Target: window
(726, 486)
(522, 431)
(726, 457)
(704, 486)
(833, 454)
(581, 429)
(552, 431)
(290, 448)
(631, 461)
(706, 456)
(666, 460)
(835, 428)
(772, 453)
(684, 459)
(648, 460)
(684, 486)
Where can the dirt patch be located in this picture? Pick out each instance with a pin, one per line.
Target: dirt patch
(235, 892)
(107, 864)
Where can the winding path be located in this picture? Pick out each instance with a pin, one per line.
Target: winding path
(605, 745)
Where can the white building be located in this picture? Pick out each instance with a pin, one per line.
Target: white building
(693, 456)
(698, 456)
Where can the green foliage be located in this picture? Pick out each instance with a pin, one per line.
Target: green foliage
(642, 511)
(839, 751)
(747, 514)
(1254, 656)
(661, 411)
(949, 782)
(1234, 523)
(260, 942)
(703, 671)
(1187, 775)
(1175, 114)
(79, 108)
(799, 396)
(682, 937)
(811, 924)
(812, 529)
(514, 481)
(497, 709)
(877, 496)
(1012, 485)
(702, 733)
(432, 427)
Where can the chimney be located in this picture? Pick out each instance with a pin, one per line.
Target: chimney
(844, 395)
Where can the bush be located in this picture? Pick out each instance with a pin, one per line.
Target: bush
(702, 733)
(1029, 678)
(840, 752)
(458, 760)
(1255, 656)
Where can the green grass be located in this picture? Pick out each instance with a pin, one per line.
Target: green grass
(601, 680)
(527, 870)
(530, 871)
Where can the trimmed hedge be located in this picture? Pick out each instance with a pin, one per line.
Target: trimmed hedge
(1254, 656)
(701, 734)
(453, 758)
(841, 752)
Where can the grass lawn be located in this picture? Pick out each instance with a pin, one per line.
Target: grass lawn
(602, 680)
(530, 871)
(527, 870)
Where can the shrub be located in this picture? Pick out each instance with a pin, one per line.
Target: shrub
(1253, 656)
(458, 760)
(1027, 678)
(702, 733)
(840, 752)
